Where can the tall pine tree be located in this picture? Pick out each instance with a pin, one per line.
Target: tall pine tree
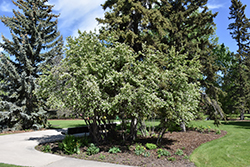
(36, 43)
(239, 32)
(161, 25)
(135, 22)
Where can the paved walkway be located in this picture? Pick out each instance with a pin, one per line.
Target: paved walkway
(18, 149)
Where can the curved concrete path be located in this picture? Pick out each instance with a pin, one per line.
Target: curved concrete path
(18, 149)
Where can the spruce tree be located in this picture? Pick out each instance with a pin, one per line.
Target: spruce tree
(239, 32)
(135, 23)
(161, 25)
(35, 44)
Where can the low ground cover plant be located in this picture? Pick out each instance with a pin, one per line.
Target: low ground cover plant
(162, 152)
(139, 149)
(201, 128)
(114, 150)
(179, 152)
(151, 146)
(72, 144)
(47, 149)
(92, 149)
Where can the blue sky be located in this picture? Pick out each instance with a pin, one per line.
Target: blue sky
(81, 14)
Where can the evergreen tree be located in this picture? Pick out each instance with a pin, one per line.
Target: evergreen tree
(161, 25)
(239, 32)
(135, 22)
(36, 43)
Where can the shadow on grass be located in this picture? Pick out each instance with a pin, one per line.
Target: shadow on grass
(238, 124)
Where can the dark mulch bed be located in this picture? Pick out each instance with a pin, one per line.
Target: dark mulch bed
(187, 141)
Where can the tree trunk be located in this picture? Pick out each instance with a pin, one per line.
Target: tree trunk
(94, 131)
(183, 126)
(133, 129)
(242, 116)
(159, 139)
(242, 111)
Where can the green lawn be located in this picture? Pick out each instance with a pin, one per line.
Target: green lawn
(152, 123)
(57, 124)
(230, 151)
(3, 134)
(8, 165)
(235, 116)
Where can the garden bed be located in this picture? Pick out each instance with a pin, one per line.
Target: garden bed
(175, 143)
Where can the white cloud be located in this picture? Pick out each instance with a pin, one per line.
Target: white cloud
(89, 24)
(213, 4)
(5, 7)
(78, 14)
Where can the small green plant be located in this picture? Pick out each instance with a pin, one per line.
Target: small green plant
(162, 152)
(183, 148)
(70, 145)
(171, 158)
(114, 150)
(202, 128)
(102, 157)
(151, 146)
(92, 149)
(185, 157)
(179, 152)
(84, 141)
(191, 127)
(218, 132)
(46, 149)
(146, 154)
(139, 149)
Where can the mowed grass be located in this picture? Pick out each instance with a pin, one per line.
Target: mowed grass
(58, 124)
(230, 151)
(8, 165)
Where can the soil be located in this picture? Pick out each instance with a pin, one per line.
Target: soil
(185, 141)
